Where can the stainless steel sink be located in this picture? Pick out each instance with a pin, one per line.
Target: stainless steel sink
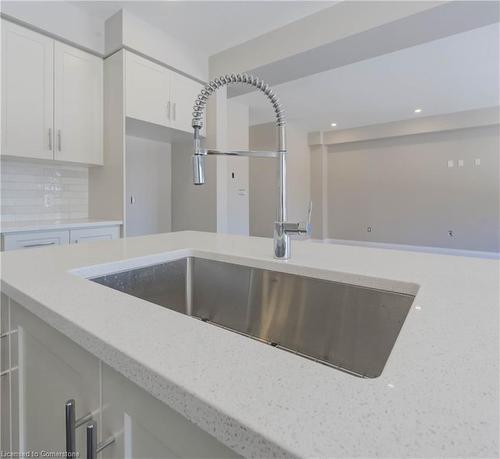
(348, 327)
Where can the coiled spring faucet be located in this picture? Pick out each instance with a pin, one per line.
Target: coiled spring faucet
(282, 228)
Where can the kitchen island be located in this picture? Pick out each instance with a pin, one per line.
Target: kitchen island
(437, 396)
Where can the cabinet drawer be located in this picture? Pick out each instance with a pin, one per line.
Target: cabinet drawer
(78, 236)
(31, 240)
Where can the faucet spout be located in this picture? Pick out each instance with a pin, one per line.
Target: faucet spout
(282, 228)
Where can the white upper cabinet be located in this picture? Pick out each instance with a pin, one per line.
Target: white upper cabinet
(78, 105)
(27, 93)
(158, 95)
(183, 93)
(52, 98)
(147, 90)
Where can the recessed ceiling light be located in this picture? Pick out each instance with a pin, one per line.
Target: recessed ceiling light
(418, 110)
(333, 124)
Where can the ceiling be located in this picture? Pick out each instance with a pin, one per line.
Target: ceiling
(456, 73)
(208, 25)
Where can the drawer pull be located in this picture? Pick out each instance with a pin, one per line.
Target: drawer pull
(39, 244)
(92, 447)
(71, 424)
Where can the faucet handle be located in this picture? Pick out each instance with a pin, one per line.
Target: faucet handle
(307, 226)
(296, 228)
(304, 228)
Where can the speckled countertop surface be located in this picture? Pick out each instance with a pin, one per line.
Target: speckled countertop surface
(438, 395)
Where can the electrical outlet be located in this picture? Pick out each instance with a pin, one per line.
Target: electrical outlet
(369, 229)
(451, 163)
(477, 162)
(460, 163)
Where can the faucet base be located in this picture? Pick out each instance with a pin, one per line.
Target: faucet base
(281, 241)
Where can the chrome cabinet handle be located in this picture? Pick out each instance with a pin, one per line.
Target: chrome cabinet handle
(39, 244)
(71, 424)
(93, 449)
(168, 110)
(50, 138)
(175, 111)
(59, 147)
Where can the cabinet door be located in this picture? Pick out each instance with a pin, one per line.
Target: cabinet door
(146, 428)
(147, 90)
(183, 93)
(27, 93)
(78, 105)
(52, 369)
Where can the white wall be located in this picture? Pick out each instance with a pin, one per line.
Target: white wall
(194, 207)
(221, 204)
(264, 178)
(149, 182)
(404, 190)
(62, 19)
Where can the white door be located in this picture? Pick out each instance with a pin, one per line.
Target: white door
(78, 105)
(147, 90)
(183, 93)
(27, 92)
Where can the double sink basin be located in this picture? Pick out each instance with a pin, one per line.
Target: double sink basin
(347, 327)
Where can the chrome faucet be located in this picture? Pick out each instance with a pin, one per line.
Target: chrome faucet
(282, 228)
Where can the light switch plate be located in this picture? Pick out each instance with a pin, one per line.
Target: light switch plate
(451, 163)
(460, 163)
(477, 162)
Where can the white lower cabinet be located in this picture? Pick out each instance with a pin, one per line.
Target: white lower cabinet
(148, 428)
(51, 369)
(32, 239)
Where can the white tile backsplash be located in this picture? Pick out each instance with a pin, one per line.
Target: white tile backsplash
(39, 191)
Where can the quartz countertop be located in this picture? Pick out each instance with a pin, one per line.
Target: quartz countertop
(438, 395)
(42, 225)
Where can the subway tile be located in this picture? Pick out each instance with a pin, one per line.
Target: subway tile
(34, 191)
